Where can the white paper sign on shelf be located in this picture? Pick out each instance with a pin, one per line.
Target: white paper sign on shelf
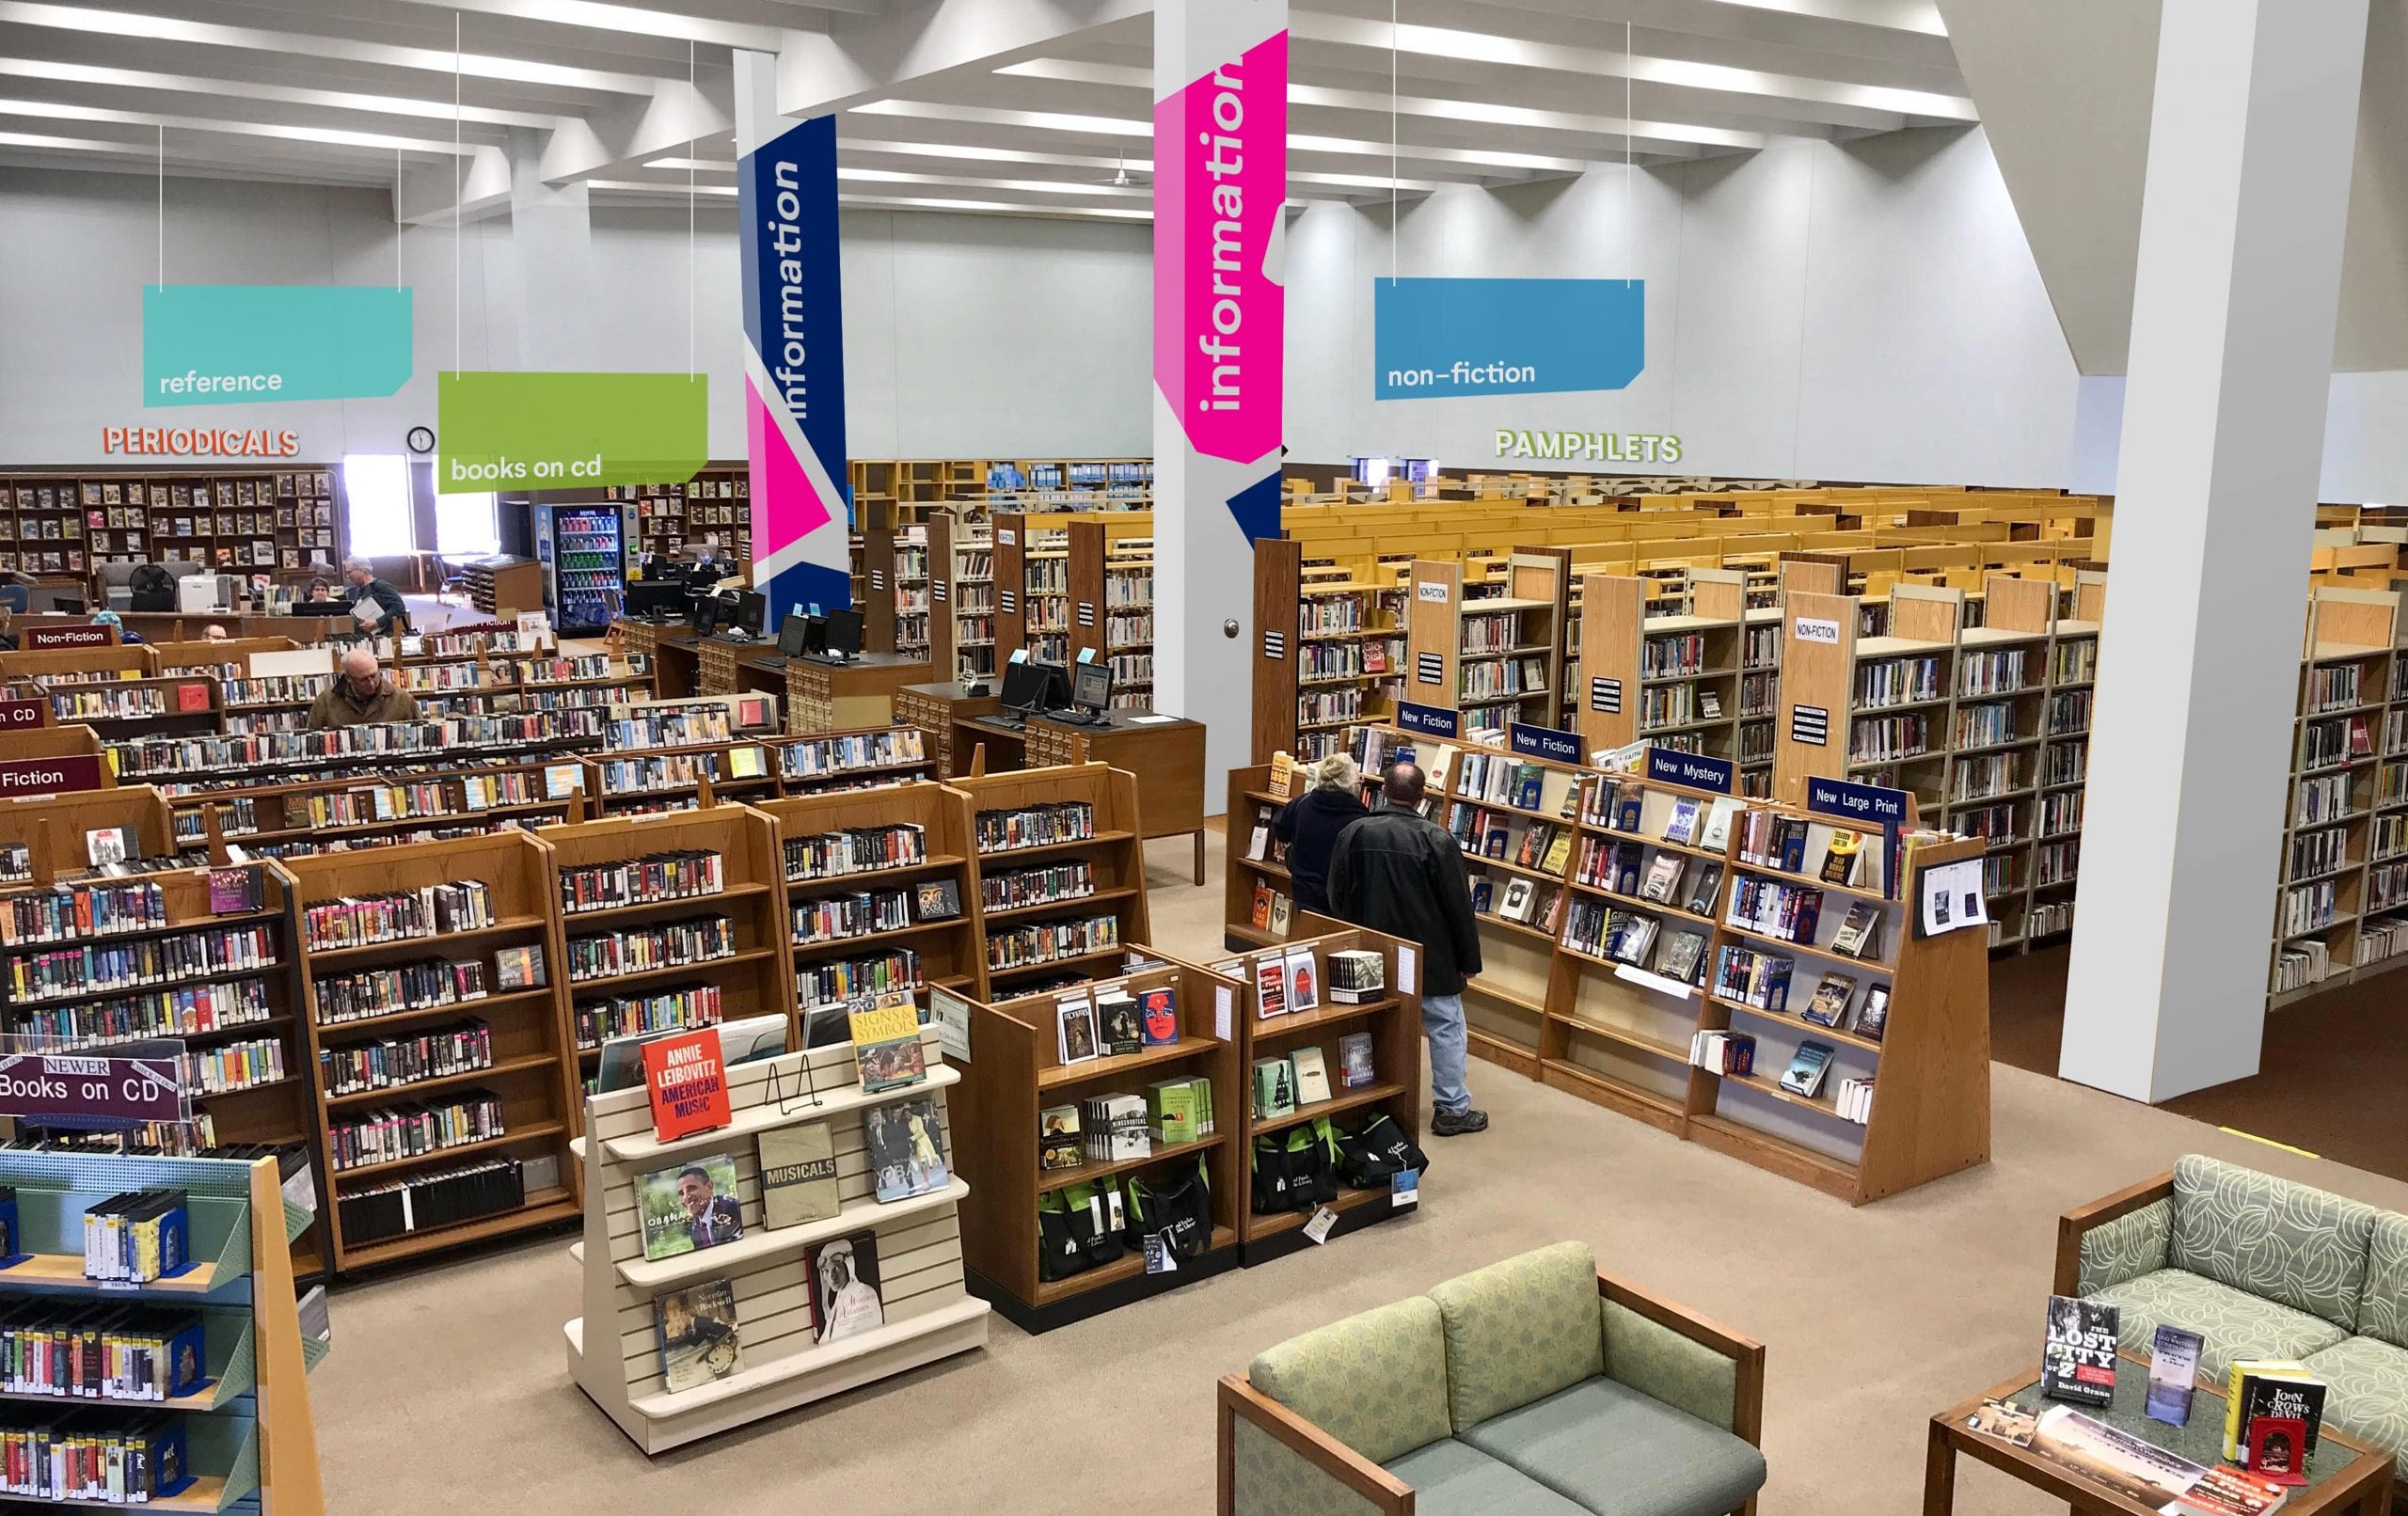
(1950, 898)
(1816, 629)
(950, 1014)
(1317, 1230)
(1659, 982)
(1406, 958)
(1225, 1012)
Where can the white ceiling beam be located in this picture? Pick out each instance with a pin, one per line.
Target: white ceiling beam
(858, 60)
(671, 116)
(332, 136)
(138, 25)
(929, 110)
(636, 21)
(335, 100)
(424, 196)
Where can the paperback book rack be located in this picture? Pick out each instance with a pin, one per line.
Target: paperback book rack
(1351, 1044)
(778, 1351)
(442, 1034)
(245, 1431)
(1050, 1245)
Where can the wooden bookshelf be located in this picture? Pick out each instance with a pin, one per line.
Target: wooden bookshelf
(237, 520)
(1010, 538)
(1112, 601)
(1017, 1072)
(1331, 652)
(1671, 680)
(926, 949)
(961, 589)
(614, 1345)
(1392, 1020)
(1112, 857)
(532, 1072)
(678, 778)
(1494, 658)
(1045, 587)
(248, 1431)
(755, 978)
(504, 586)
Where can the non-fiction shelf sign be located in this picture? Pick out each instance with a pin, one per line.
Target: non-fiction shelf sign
(87, 1089)
(1810, 725)
(1815, 629)
(51, 775)
(1429, 720)
(1694, 770)
(38, 637)
(1860, 805)
(1543, 742)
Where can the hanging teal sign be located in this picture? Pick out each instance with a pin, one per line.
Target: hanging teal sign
(1435, 338)
(216, 344)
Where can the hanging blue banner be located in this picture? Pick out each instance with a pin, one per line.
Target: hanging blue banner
(1437, 337)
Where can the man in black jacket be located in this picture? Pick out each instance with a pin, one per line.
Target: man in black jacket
(1396, 872)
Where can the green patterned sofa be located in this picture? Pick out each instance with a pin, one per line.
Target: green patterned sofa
(1538, 1386)
(2263, 1267)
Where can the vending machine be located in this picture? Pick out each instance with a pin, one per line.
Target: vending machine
(583, 551)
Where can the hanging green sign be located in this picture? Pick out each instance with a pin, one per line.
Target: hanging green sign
(214, 344)
(568, 431)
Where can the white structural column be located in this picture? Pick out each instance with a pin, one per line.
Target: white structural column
(2250, 142)
(560, 326)
(1220, 236)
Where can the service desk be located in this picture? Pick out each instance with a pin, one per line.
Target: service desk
(933, 708)
(832, 697)
(676, 660)
(1165, 752)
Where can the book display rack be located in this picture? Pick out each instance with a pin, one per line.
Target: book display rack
(1342, 663)
(412, 804)
(243, 1432)
(1258, 894)
(668, 922)
(776, 1350)
(247, 1059)
(881, 893)
(446, 1090)
(2341, 910)
(1496, 659)
(664, 517)
(1352, 1053)
(1022, 1098)
(671, 778)
(504, 586)
(1061, 873)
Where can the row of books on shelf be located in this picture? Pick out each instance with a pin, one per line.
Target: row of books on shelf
(1036, 826)
(393, 1062)
(444, 739)
(355, 920)
(677, 874)
(1287, 1082)
(74, 973)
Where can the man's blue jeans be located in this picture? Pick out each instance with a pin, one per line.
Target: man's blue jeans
(1442, 1019)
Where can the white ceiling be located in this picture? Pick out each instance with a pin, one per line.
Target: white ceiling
(1014, 107)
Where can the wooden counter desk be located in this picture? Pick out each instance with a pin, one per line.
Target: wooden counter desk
(1165, 753)
(935, 708)
(831, 697)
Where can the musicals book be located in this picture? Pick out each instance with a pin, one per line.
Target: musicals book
(798, 1176)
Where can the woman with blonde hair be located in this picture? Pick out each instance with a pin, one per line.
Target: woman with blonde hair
(1309, 825)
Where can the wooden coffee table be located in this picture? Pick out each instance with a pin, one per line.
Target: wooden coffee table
(2345, 1476)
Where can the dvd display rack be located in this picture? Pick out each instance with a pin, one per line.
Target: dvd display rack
(1018, 1072)
(669, 921)
(778, 1360)
(2341, 909)
(1367, 1044)
(246, 1060)
(1496, 659)
(881, 893)
(446, 1090)
(1061, 873)
(247, 1438)
(1671, 681)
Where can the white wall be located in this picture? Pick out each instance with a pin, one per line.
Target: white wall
(965, 335)
(1865, 311)
(2365, 437)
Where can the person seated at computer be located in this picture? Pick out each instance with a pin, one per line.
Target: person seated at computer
(363, 694)
(382, 599)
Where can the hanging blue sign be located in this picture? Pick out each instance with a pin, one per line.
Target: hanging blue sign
(1544, 742)
(1694, 770)
(1435, 338)
(1429, 720)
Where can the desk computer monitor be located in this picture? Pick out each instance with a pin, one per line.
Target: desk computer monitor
(815, 635)
(794, 636)
(1091, 686)
(658, 599)
(739, 1042)
(706, 615)
(844, 633)
(1032, 689)
(750, 614)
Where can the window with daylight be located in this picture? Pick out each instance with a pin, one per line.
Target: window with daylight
(377, 485)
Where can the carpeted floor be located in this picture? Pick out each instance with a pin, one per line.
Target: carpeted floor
(447, 1389)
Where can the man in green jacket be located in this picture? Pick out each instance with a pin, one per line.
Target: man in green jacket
(361, 695)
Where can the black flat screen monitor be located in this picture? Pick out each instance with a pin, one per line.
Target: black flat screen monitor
(815, 635)
(657, 598)
(1033, 688)
(705, 616)
(751, 612)
(794, 636)
(1091, 686)
(845, 633)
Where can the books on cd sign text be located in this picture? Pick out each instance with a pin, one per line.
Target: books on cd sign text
(798, 1175)
(906, 1143)
(845, 1302)
(886, 1043)
(1312, 1075)
(1058, 1144)
(688, 1084)
(1158, 1015)
(1118, 1022)
(2078, 1355)
(1807, 1070)
(698, 1334)
(688, 1206)
(1355, 1060)
(1074, 1031)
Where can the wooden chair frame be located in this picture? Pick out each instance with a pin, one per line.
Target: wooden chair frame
(1390, 1495)
(2073, 1225)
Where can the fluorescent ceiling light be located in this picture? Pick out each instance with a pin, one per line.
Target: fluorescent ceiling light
(700, 166)
(51, 111)
(1031, 186)
(645, 187)
(1354, 147)
(346, 100)
(133, 25)
(989, 116)
(632, 20)
(980, 154)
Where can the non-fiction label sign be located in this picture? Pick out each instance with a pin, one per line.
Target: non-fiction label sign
(568, 431)
(206, 344)
(51, 775)
(1434, 591)
(1429, 720)
(1434, 338)
(1694, 770)
(87, 1088)
(1605, 696)
(1543, 742)
(52, 637)
(1430, 667)
(15, 714)
(1815, 629)
(1865, 805)
(1810, 725)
